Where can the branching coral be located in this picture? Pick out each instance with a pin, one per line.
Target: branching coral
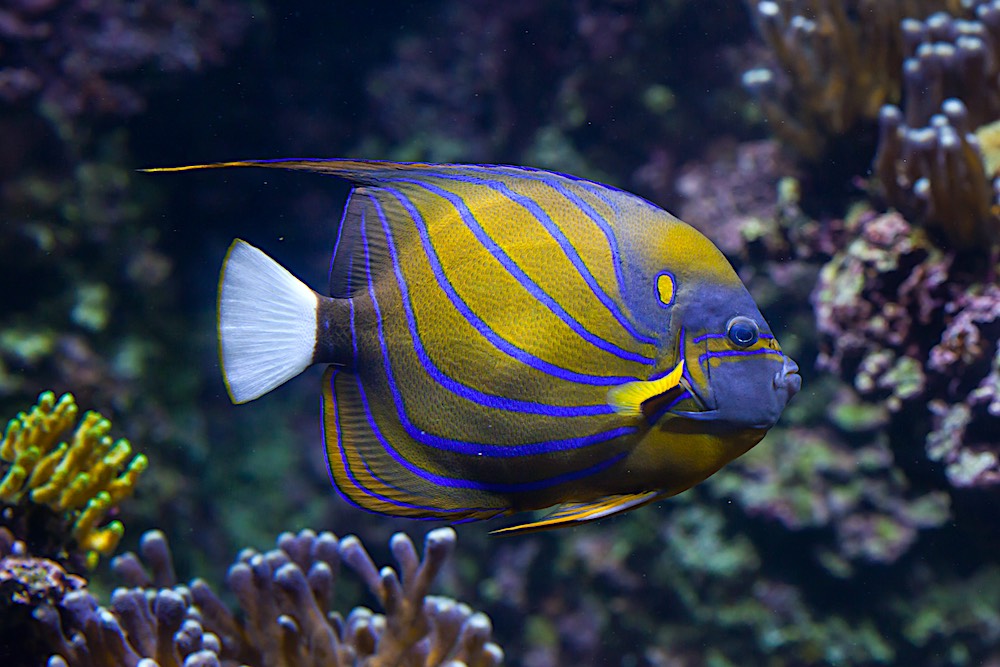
(80, 479)
(836, 63)
(930, 162)
(937, 174)
(284, 619)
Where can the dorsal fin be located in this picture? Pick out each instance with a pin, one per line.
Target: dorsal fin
(360, 231)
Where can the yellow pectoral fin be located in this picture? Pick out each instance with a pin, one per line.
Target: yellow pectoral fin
(627, 399)
(574, 513)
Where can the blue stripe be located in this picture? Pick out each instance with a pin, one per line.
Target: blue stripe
(452, 385)
(336, 248)
(460, 446)
(340, 441)
(484, 329)
(616, 254)
(707, 336)
(655, 417)
(738, 353)
(532, 173)
(516, 271)
(554, 231)
(440, 479)
(451, 482)
(343, 459)
(350, 474)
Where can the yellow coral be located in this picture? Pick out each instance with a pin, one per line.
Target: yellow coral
(82, 478)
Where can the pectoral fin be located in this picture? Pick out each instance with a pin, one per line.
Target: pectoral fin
(627, 399)
(573, 513)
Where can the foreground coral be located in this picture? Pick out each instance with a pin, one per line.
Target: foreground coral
(284, 618)
(80, 479)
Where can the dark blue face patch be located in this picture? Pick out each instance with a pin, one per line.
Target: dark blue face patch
(742, 331)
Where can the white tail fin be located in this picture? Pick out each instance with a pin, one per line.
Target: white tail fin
(267, 323)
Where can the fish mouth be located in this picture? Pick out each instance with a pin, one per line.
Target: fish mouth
(788, 378)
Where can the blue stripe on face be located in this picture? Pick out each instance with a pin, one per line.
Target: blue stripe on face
(483, 328)
(762, 336)
(511, 266)
(464, 391)
(460, 446)
(686, 374)
(554, 231)
(739, 353)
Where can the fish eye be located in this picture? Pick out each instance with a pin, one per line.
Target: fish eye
(742, 331)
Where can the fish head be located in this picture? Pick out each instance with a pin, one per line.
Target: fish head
(734, 370)
(735, 375)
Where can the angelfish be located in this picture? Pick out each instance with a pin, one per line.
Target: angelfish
(501, 339)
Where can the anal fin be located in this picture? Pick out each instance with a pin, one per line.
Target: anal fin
(575, 513)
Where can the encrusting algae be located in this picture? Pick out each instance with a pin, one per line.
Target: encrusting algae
(81, 477)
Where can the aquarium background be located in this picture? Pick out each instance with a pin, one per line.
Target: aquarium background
(841, 154)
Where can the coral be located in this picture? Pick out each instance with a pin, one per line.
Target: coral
(962, 438)
(80, 479)
(284, 618)
(937, 175)
(76, 57)
(27, 583)
(906, 324)
(834, 64)
(930, 162)
(809, 478)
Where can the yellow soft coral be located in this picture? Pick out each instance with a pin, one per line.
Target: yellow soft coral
(81, 478)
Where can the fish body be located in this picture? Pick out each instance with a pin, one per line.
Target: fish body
(501, 339)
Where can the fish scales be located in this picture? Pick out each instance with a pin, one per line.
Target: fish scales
(424, 409)
(525, 272)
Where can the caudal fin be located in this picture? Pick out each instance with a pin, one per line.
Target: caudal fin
(267, 323)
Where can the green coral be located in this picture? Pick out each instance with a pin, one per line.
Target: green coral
(80, 478)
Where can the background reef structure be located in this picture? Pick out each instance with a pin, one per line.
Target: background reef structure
(906, 306)
(284, 620)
